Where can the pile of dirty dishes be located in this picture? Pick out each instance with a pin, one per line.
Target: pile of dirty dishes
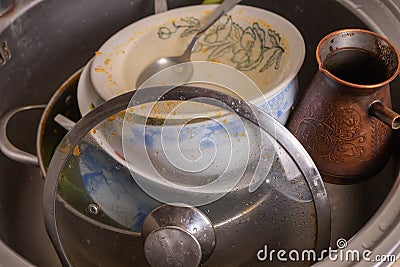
(250, 53)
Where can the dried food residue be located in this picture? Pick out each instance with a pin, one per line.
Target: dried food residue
(112, 118)
(76, 152)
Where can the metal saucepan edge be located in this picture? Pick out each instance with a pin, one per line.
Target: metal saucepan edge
(388, 25)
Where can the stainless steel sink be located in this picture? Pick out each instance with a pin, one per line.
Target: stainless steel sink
(49, 40)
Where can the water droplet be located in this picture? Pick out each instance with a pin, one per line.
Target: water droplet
(195, 230)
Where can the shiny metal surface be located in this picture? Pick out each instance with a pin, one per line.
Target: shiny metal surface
(6, 147)
(185, 242)
(49, 62)
(64, 122)
(160, 6)
(194, 226)
(300, 202)
(174, 246)
(48, 135)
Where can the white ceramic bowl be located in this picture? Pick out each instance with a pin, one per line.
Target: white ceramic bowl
(268, 49)
(263, 45)
(194, 163)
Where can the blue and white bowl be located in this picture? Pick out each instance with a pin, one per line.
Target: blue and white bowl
(259, 56)
(263, 45)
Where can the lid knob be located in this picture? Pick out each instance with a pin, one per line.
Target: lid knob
(177, 236)
(172, 246)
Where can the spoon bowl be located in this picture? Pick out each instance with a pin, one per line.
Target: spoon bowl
(180, 74)
(165, 62)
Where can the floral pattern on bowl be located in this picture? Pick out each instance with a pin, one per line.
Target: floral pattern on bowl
(249, 48)
(261, 44)
(267, 49)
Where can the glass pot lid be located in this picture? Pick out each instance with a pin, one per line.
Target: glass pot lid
(140, 181)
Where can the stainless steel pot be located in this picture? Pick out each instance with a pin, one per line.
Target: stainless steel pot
(49, 133)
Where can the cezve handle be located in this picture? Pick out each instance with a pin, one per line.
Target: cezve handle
(385, 114)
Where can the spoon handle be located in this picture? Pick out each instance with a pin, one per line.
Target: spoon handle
(217, 13)
(160, 6)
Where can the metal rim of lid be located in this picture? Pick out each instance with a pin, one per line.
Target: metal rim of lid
(115, 105)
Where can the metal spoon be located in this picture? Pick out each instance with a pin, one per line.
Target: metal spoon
(64, 122)
(165, 62)
(160, 6)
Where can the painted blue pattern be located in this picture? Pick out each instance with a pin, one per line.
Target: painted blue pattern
(282, 102)
(111, 187)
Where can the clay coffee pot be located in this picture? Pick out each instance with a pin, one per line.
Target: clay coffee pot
(344, 118)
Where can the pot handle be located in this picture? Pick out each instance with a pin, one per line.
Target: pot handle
(7, 147)
(385, 114)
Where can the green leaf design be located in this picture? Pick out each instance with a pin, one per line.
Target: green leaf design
(274, 38)
(246, 47)
(220, 32)
(236, 33)
(275, 58)
(260, 32)
(219, 51)
(188, 32)
(192, 21)
(239, 56)
(253, 43)
(164, 33)
(248, 39)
